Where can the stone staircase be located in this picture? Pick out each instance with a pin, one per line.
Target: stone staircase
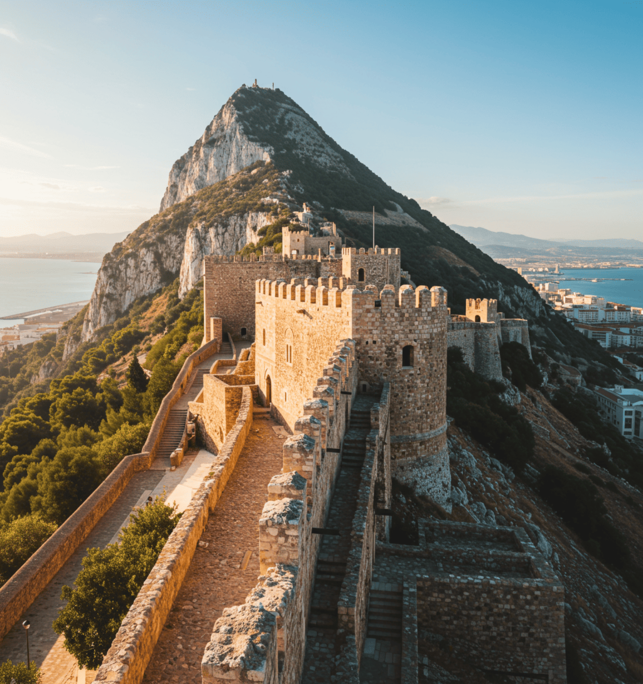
(333, 554)
(172, 434)
(175, 425)
(385, 613)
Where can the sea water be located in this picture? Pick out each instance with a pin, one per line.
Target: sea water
(29, 284)
(629, 291)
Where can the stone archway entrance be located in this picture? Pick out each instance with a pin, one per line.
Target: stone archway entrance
(268, 391)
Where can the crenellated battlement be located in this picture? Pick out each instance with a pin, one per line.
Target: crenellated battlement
(342, 292)
(371, 251)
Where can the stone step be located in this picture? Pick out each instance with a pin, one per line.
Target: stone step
(383, 634)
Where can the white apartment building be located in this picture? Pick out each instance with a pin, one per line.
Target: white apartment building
(623, 408)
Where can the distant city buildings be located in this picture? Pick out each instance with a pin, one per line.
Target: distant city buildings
(24, 333)
(612, 325)
(623, 408)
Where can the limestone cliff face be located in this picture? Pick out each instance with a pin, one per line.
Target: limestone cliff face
(226, 236)
(222, 150)
(139, 271)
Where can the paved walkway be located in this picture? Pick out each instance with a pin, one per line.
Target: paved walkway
(216, 578)
(46, 647)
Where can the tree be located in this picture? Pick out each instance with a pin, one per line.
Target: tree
(65, 482)
(109, 582)
(160, 384)
(19, 540)
(129, 439)
(136, 378)
(79, 407)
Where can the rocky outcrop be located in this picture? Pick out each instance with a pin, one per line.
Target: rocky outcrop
(222, 150)
(226, 236)
(138, 272)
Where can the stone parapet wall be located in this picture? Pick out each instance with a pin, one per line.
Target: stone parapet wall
(379, 267)
(488, 591)
(479, 343)
(249, 641)
(515, 330)
(132, 648)
(22, 589)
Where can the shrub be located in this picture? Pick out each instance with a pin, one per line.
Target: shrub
(19, 540)
(518, 367)
(580, 505)
(19, 673)
(109, 582)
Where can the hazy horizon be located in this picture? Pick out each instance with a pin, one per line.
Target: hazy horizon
(517, 118)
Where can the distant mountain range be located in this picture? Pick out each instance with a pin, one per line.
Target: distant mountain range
(60, 243)
(498, 244)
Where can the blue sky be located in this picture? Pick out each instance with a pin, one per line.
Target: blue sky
(516, 116)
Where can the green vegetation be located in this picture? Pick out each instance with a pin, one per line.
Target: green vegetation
(476, 407)
(625, 460)
(518, 367)
(19, 540)
(579, 504)
(58, 444)
(109, 582)
(271, 235)
(19, 673)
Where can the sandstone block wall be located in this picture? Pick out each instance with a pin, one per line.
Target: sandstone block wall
(515, 330)
(298, 327)
(132, 648)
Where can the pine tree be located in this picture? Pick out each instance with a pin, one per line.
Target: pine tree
(136, 377)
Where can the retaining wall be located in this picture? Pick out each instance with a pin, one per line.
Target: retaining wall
(132, 648)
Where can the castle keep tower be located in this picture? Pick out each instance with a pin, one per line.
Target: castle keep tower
(377, 266)
(401, 338)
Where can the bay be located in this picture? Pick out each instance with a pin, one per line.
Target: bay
(629, 292)
(28, 284)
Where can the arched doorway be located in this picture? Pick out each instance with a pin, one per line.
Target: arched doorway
(268, 391)
(477, 319)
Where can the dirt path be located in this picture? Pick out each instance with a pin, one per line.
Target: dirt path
(216, 579)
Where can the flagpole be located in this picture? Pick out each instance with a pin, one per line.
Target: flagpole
(373, 227)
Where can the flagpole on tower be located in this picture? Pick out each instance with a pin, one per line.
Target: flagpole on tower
(373, 227)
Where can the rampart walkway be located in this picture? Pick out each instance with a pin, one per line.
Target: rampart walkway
(46, 647)
(223, 572)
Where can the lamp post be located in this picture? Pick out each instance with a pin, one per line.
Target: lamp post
(26, 624)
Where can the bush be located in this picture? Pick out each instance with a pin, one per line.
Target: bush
(129, 439)
(518, 367)
(19, 673)
(19, 540)
(109, 582)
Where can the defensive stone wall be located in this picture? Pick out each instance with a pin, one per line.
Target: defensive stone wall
(515, 330)
(264, 639)
(132, 648)
(373, 496)
(301, 242)
(479, 345)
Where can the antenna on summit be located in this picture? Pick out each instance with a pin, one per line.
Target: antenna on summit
(373, 227)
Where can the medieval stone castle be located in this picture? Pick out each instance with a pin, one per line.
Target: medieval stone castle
(352, 363)
(321, 381)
